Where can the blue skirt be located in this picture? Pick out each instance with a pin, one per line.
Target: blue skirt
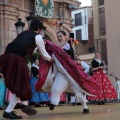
(2, 92)
(38, 96)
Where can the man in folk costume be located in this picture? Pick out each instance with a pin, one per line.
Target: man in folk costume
(15, 69)
(83, 64)
(64, 75)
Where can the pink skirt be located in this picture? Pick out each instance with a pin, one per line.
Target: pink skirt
(9, 96)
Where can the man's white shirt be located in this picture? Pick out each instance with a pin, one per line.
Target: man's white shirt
(85, 66)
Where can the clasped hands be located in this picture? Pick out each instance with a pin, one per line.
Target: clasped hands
(101, 67)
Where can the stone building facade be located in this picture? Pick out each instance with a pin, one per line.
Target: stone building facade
(99, 27)
(11, 10)
(107, 34)
(112, 17)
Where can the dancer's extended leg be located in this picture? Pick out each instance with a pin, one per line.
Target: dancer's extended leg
(80, 97)
(59, 86)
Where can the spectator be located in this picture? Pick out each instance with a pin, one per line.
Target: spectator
(105, 89)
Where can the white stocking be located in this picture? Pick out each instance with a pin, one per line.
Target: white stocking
(24, 102)
(80, 97)
(59, 86)
(12, 103)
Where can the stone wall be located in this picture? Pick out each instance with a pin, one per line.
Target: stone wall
(10, 11)
(83, 46)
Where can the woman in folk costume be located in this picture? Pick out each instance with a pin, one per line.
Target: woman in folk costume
(15, 69)
(106, 89)
(37, 97)
(64, 75)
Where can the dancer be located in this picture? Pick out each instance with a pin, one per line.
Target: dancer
(64, 76)
(15, 70)
(105, 89)
(67, 47)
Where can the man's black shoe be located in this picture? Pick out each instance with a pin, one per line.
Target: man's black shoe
(11, 115)
(18, 106)
(51, 107)
(85, 111)
(28, 110)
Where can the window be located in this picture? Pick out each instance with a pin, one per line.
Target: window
(91, 50)
(79, 34)
(78, 19)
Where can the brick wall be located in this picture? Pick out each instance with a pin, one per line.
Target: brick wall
(83, 46)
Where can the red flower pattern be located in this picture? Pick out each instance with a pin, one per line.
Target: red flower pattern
(106, 90)
(85, 81)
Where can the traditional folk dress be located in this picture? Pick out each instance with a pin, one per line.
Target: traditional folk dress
(13, 64)
(106, 90)
(37, 96)
(66, 73)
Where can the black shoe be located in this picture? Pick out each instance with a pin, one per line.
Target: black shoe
(11, 115)
(51, 107)
(99, 103)
(78, 104)
(28, 110)
(85, 111)
(73, 104)
(103, 103)
(18, 106)
(37, 105)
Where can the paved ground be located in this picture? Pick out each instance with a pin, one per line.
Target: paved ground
(109, 111)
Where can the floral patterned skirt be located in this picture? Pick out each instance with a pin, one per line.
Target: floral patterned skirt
(86, 82)
(106, 90)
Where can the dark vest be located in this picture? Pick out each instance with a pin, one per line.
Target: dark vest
(70, 51)
(23, 44)
(25, 39)
(95, 64)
